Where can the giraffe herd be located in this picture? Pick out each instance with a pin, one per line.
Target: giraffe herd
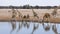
(14, 14)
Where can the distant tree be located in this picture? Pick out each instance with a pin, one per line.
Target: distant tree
(12, 7)
(36, 7)
(26, 6)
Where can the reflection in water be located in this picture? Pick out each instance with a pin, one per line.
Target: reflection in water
(32, 27)
(54, 29)
(35, 27)
(13, 26)
(46, 28)
(19, 27)
(27, 25)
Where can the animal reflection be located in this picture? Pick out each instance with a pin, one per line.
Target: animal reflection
(19, 26)
(46, 28)
(13, 27)
(54, 29)
(35, 27)
(26, 24)
(14, 14)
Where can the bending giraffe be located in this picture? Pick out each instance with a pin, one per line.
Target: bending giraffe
(46, 17)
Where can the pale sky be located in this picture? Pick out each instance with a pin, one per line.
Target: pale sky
(30, 2)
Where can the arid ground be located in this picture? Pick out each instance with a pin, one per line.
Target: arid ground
(6, 14)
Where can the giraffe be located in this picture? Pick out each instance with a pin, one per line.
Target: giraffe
(54, 13)
(35, 14)
(54, 28)
(20, 16)
(20, 24)
(46, 17)
(13, 21)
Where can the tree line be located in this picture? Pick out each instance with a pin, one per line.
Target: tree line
(29, 7)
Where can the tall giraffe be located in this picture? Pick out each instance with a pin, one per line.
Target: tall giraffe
(35, 14)
(14, 13)
(20, 16)
(55, 11)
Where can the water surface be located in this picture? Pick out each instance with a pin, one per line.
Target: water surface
(31, 28)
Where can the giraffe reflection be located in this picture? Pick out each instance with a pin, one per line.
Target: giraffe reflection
(13, 26)
(19, 27)
(35, 27)
(54, 29)
(46, 28)
(26, 24)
